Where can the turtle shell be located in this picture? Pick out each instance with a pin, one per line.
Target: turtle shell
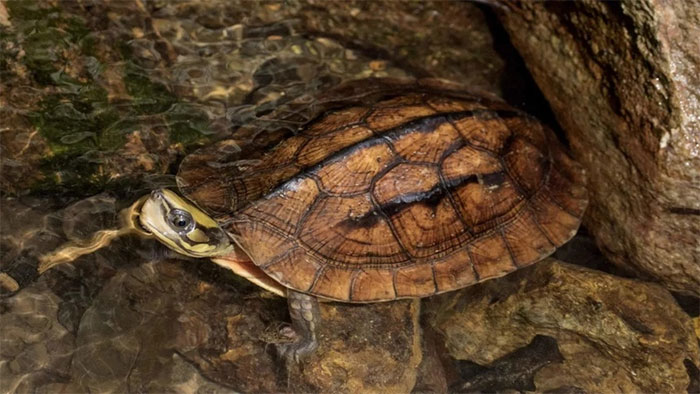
(387, 189)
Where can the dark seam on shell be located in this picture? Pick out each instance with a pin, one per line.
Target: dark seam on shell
(415, 125)
(317, 275)
(353, 278)
(510, 250)
(277, 259)
(393, 282)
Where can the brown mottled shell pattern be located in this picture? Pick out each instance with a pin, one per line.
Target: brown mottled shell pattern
(405, 190)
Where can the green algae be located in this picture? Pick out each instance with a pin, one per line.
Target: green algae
(81, 127)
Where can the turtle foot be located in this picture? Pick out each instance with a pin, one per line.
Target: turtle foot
(298, 350)
(305, 314)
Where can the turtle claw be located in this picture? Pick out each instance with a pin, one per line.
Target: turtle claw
(298, 350)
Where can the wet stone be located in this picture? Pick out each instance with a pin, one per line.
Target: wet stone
(613, 333)
(381, 354)
(148, 322)
(158, 327)
(435, 369)
(617, 76)
(35, 349)
(514, 371)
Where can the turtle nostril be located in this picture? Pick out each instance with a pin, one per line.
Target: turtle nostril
(157, 194)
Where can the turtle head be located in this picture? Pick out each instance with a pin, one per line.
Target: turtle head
(182, 227)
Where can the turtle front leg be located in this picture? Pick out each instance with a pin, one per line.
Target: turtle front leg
(306, 316)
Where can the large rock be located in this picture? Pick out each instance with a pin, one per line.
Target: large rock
(165, 328)
(622, 80)
(192, 326)
(363, 349)
(562, 327)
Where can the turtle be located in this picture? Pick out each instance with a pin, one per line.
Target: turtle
(381, 189)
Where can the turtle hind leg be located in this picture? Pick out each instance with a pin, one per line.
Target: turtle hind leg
(306, 316)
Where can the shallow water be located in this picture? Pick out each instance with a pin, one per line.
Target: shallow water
(100, 101)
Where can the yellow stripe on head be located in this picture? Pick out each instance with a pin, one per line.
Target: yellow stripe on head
(183, 227)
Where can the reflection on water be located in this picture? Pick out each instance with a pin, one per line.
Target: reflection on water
(100, 100)
(96, 238)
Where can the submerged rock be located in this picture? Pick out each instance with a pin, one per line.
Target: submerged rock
(148, 323)
(620, 78)
(612, 333)
(514, 371)
(193, 326)
(35, 349)
(363, 349)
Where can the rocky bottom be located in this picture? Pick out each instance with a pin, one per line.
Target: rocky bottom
(175, 326)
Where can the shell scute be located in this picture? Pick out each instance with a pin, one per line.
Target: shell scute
(347, 231)
(285, 208)
(567, 194)
(525, 239)
(427, 230)
(491, 257)
(403, 101)
(333, 283)
(454, 271)
(295, 269)
(372, 284)
(331, 122)
(557, 224)
(415, 280)
(444, 104)
(383, 119)
(276, 245)
(353, 173)
(404, 181)
(318, 148)
(426, 146)
(281, 155)
(468, 161)
(484, 205)
(486, 130)
(526, 165)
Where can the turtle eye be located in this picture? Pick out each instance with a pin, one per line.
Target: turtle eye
(180, 220)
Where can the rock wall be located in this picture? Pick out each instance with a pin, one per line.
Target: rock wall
(623, 79)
